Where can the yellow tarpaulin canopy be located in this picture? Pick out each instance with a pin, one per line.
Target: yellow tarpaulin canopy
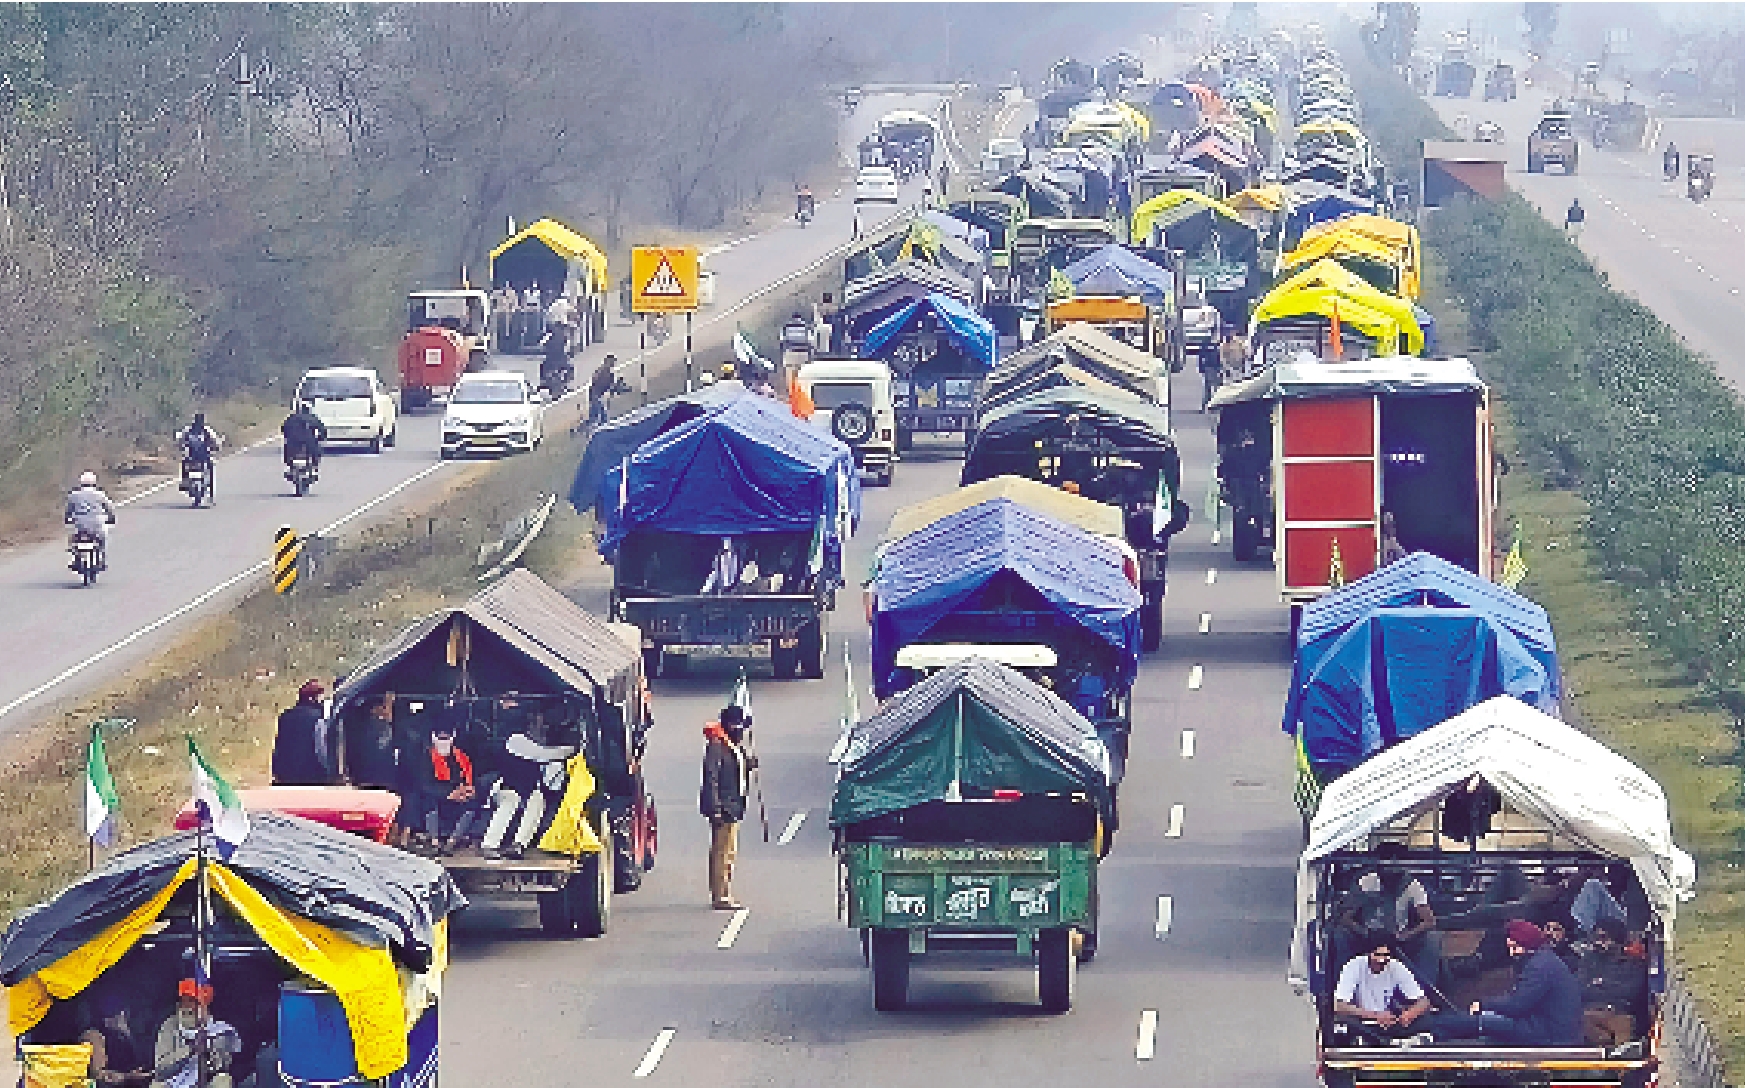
(1147, 213)
(59, 1065)
(1343, 131)
(1141, 123)
(1264, 198)
(1401, 237)
(1353, 315)
(1338, 244)
(566, 243)
(1094, 517)
(363, 978)
(569, 832)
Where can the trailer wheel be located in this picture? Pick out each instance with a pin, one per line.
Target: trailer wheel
(554, 914)
(784, 660)
(1087, 946)
(1151, 624)
(650, 833)
(626, 866)
(1244, 538)
(590, 890)
(1056, 969)
(810, 651)
(890, 969)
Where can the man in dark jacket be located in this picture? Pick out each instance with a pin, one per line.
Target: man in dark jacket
(300, 756)
(1613, 983)
(1544, 1008)
(726, 776)
(303, 432)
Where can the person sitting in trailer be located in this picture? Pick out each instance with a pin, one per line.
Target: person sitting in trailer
(1613, 979)
(528, 768)
(118, 1056)
(183, 1034)
(446, 798)
(1377, 995)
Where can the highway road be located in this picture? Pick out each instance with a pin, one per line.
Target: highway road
(170, 565)
(1684, 261)
(1197, 894)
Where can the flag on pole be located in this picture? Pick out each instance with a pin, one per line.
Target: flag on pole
(748, 355)
(1336, 568)
(217, 804)
(1514, 567)
(740, 695)
(815, 559)
(623, 486)
(1163, 508)
(101, 804)
(851, 700)
(1307, 791)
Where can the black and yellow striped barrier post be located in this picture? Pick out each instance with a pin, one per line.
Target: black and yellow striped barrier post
(286, 549)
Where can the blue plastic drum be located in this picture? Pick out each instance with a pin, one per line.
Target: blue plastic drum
(315, 1046)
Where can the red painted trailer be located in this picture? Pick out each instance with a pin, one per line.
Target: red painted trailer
(1343, 442)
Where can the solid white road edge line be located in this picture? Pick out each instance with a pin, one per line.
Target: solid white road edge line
(1212, 576)
(1196, 677)
(655, 1050)
(793, 828)
(1175, 822)
(1188, 744)
(1147, 1045)
(1205, 623)
(171, 617)
(1165, 915)
(840, 749)
(734, 925)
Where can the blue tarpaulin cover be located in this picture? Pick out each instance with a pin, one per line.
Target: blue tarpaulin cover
(1116, 270)
(750, 467)
(1398, 671)
(1425, 581)
(610, 445)
(930, 572)
(971, 332)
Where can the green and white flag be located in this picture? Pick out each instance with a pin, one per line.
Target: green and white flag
(101, 804)
(217, 804)
(740, 696)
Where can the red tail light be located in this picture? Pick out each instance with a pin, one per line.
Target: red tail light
(1008, 795)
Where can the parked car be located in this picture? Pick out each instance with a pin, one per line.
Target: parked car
(493, 410)
(353, 404)
(876, 185)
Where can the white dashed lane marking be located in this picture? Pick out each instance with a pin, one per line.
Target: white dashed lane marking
(1196, 677)
(1176, 812)
(1187, 744)
(655, 1050)
(734, 925)
(1147, 1044)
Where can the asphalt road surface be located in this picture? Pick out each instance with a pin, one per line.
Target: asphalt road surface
(170, 565)
(1685, 261)
(1196, 896)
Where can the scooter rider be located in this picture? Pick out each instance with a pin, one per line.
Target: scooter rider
(90, 512)
(1669, 160)
(805, 204)
(304, 433)
(198, 442)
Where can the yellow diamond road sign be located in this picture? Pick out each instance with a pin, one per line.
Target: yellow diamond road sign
(663, 279)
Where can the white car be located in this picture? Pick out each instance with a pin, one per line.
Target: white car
(876, 185)
(353, 404)
(493, 410)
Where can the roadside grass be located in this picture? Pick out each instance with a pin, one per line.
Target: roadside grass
(225, 683)
(1627, 692)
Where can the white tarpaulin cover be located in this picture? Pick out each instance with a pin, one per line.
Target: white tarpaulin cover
(1544, 769)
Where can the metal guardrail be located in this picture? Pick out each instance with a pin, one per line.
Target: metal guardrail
(1698, 1062)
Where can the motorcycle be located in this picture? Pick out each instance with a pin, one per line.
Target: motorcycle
(1670, 167)
(556, 375)
(197, 482)
(87, 556)
(803, 215)
(301, 473)
(1699, 187)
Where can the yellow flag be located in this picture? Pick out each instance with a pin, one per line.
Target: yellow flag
(1514, 567)
(1336, 568)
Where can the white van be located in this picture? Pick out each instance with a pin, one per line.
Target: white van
(852, 400)
(353, 404)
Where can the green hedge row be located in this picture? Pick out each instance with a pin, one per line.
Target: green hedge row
(1619, 409)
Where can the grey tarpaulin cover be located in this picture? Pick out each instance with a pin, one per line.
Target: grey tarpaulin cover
(549, 631)
(375, 894)
(975, 726)
(1544, 769)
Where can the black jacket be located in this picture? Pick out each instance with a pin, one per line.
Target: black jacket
(1546, 1000)
(726, 769)
(297, 756)
(303, 429)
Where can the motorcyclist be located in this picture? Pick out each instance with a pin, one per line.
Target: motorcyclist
(304, 433)
(198, 442)
(90, 512)
(1574, 218)
(1669, 159)
(555, 367)
(805, 204)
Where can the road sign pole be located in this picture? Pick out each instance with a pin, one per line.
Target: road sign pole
(687, 351)
(642, 358)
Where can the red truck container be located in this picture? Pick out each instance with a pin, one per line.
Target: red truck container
(1330, 446)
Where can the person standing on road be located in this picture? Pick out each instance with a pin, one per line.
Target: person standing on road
(726, 780)
(300, 746)
(600, 387)
(1573, 219)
